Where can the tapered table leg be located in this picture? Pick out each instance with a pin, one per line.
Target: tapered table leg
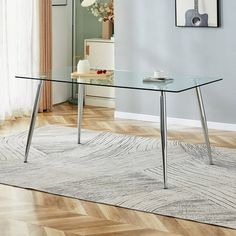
(163, 128)
(204, 123)
(33, 119)
(80, 109)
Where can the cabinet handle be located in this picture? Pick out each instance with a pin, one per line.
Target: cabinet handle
(87, 50)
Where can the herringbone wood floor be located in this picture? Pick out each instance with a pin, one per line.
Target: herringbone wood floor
(24, 212)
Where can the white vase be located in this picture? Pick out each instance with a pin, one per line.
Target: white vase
(83, 67)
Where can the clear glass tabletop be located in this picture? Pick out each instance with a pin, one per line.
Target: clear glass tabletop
(124, 79)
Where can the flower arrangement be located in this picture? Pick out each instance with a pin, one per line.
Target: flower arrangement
(104, 11)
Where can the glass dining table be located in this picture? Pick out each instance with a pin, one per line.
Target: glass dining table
(129, 80)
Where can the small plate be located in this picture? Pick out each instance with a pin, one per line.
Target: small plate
(156, 79)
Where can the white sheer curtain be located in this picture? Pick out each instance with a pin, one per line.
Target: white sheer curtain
(19, 54)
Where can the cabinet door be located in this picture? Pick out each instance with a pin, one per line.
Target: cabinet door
(100, 56)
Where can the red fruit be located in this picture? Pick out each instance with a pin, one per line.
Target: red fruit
(99, 72)
(104, 71)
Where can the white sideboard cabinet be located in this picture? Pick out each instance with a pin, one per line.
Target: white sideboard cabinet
(100, 54)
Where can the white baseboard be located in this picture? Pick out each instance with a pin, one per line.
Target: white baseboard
(175, 121)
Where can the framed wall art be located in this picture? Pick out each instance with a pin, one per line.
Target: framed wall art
(59, 2)
(197, 13)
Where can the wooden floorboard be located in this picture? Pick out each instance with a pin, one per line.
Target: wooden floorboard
(24, 212)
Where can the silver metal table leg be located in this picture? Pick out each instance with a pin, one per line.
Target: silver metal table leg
(163, 128)
(33, 119)
(80, 109)
(204, 123)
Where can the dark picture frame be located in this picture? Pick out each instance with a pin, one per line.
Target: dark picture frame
(193, 17)
(59, 3)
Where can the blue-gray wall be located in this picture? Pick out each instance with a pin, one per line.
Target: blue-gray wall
(146, 38)
(87, 27)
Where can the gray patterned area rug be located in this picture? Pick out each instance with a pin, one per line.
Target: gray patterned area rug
(125, 171)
